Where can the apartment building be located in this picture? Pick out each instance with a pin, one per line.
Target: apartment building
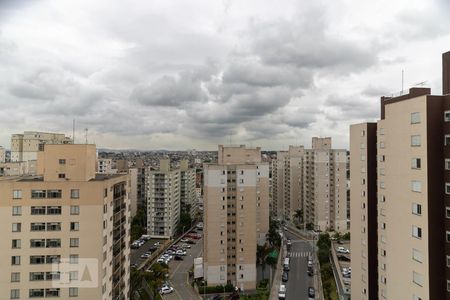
(163, 202)
(104, 166)
(18, 168)
(287, 178)
(363, 206)
(413, 205)
(314, 181)
(66, 230)
(2, 155)
(188, 195)
(25, 146)
(236, 215)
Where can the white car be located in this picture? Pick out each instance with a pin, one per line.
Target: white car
(184, 240)
(282, 292)
(186, 246)
(180, 252)
(145, 255)
(342, 250)
(166, 290)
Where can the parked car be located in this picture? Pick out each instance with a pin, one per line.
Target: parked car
(310, 271)
(178, 257)
(190, 242)
(285, 276)
(180, 252)
(186, 246)
(157, 244)
(343, 258)
(145, 255)
(311, 293)
(153, 248)
(166, 289)
(184, 240)
(342, 250)
(282, 292)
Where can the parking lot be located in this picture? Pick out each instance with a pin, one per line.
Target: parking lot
(135, 257)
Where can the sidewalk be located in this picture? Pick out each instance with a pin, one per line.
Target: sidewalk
(277, 277)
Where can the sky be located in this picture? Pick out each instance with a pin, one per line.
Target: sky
(180, 75)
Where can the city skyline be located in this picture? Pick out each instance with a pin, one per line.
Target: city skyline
(179, 76)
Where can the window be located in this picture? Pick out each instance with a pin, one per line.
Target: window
(17, 194)
(415, 118)
(383, 225)
(37, 243)
(73, 292)
(53, 210)
(16, 227)
(382, 198)
(447, 140)
(38, 210)
(73, 275)
(75, 242)
(363, 157)
(74, 226)
(447, 116)
(37, 260)
(51, 293)
(37, 276)
(417, 255)
(15, 294)
(37, 227)
(416, 232)
(36, 293)
(75, 194)
(447, 188)
(62, 161)
(416, 186)
(448, 261)
(52, 275)
(17, 210)
(447, 212)
(415, 163)
(382, 145)
(74, 210)
(50, 259)
(54, 194)
(382, 185)
(362, 146)
(448, 285)
(15, 244)
(363, 132)
(61, 175)
(15, 277)
(37, 194)
(73, 258)
(382, 158)
(54, 226)
(447, 164)
(15, 260)
(418, 278)
(53, 243)
(448, 236)
(415, 140)
(416, 209)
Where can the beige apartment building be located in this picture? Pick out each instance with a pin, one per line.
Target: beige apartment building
(104, 166)
(2, 155)
(66, 230)
(315, 181)
(188, 195)
(413, 202)
(236, 216)
(163, 202)
(25, 146)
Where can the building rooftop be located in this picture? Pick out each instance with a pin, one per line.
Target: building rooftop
(40, 178)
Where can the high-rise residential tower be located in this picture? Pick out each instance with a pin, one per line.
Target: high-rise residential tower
(188, 195)
(25, 146)
(66, 230)
(413, 197)
(163, 202)
(236, 215)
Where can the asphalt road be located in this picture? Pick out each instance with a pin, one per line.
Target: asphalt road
(299, 281)
(178, 274)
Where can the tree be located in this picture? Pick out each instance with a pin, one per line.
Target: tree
(346, 236)
(337, 236)
(185, 222)
(138, 224)
(299, 215)
(273, 236)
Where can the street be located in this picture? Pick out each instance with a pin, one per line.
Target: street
(299, 281)
(178, 274)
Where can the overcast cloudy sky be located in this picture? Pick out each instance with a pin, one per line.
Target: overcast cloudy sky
(189, 74)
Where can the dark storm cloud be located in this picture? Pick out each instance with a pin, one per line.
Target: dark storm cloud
(352, 107)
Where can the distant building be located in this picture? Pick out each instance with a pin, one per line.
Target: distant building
(314, 182)
(133, 172)
(400, 197)
(26, 146)
(62, 223)
(163, 202)
(188, 196)
(104, 166)
(18, 168)
(2, 155)
(236, 216)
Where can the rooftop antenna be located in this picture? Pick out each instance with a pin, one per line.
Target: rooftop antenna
(73, 132)
(403, 79)
(86, 135)
(422, 83)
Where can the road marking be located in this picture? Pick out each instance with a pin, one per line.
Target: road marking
(299, 254)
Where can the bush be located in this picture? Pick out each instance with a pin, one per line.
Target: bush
(215, 289)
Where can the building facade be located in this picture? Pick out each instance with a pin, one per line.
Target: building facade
(66, 230)
(413, 205)
(236, 216)
(188, 194)
(312, 183)
(25, 146)
(2, 155)
(163, 202)
(104, 166)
